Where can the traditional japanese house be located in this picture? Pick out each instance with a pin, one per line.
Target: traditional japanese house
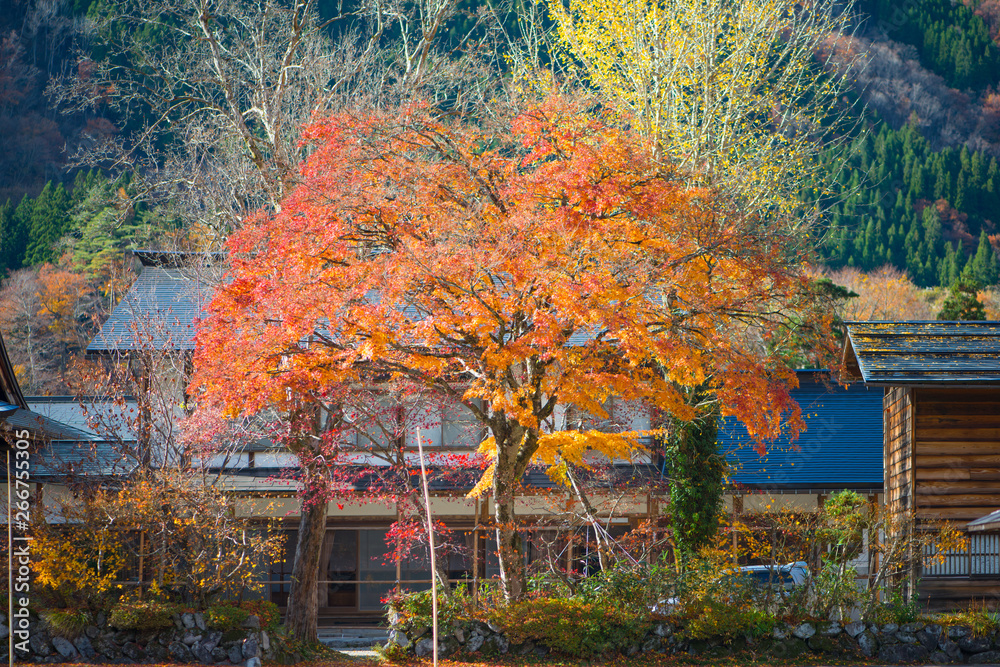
(941, 432)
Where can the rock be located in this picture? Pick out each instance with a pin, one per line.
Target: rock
(912, 627)
(971, 644)
(400, 639)
(780, 631)
(906, 638)
(985, 658)
(541, 651)
(38, 644)
(651, 644)
(83, 645)
(252, 622)
(459, 635)
(251, 649)
(178, 651)
(933, 629)
(107, 648)
(157, 651)
(957, 631)
(219, 654)
(902, 653)
(64, 647)
(821, 644)
(418, 632)
(92, 631)
(101, 619)
(235, 655)
(212, 640)
(831, 629)
(125, 636)
(253, 662)
(927, 640)
(501, 644)
(854, 629)
(133, 652)
(950, 648)
(804, 631)
(202, 653)
(424, 648)
(199, 621)
(663, 630)
(178, 623)
(475, 642)
(187, 618)
(789, 648)
(190, 638)
(868, 644)
(938, 657)
(889, 628)
(265, 641)
(494, 627)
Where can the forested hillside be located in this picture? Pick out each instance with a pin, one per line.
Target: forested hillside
(919, 189)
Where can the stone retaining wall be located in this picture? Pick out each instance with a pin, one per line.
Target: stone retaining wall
(190, 641)
(888, 643)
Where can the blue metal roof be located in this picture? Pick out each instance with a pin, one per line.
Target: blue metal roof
(841, 447)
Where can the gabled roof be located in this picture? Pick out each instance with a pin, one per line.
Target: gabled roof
(160, 309)
(80, 446)
(915, 353)
(840, 449)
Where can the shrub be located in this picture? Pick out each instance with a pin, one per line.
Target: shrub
(980, 621)
(717, 619)
(68, 623)
(142, 615)
(897, 610)
(265, 610)
(571, 626)
(225, 617)
(636, 589)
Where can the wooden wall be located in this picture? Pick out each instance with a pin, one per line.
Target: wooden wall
(897, 436)
(957, 453)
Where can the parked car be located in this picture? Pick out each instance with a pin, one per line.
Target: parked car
(782, 578)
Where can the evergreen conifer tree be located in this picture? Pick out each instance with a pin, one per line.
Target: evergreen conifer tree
(963, 301)
(983, 266)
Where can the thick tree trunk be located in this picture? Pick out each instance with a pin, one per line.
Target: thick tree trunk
(303, 604)
(505, 478)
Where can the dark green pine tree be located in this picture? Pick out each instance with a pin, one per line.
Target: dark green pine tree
(49, 221)
(963, 301)
(14, 235)
(983, 265)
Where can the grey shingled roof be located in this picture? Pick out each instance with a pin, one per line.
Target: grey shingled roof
(914, 353)
(158, 312)
(80, 447)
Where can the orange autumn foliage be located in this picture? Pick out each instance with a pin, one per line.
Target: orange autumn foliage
(550, 259)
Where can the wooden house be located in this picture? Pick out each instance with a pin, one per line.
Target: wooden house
(941, 439)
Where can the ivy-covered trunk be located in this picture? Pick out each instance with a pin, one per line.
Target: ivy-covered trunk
(696, 482)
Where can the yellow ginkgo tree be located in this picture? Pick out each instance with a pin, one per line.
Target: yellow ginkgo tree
(737, 93)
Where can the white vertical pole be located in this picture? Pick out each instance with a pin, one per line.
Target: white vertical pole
(10, 573)
(430, 536)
